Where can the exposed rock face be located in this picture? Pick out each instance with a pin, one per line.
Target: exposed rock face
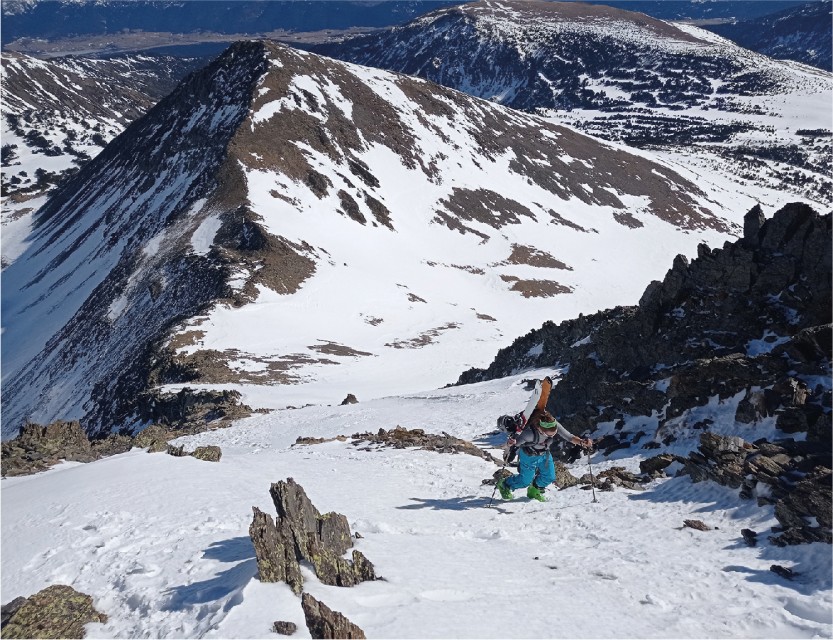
(350, 399)
(749, 323)
(299, 533)
(794, 476)
(39, 447)
(188, 410)
(58, 611)
(323, 622)
(208, 453)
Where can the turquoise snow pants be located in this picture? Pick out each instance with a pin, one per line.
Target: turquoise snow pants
(527, 467)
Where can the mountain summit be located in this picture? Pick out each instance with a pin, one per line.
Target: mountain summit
(281, 213)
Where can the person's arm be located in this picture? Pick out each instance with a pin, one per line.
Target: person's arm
(520, 439)
(587, 443)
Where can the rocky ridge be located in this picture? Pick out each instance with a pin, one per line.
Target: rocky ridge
(747, 327)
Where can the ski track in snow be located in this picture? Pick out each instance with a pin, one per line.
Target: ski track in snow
(161, 543)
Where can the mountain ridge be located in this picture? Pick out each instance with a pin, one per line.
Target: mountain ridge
(239, 207)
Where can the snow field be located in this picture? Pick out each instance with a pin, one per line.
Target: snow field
(161, 543)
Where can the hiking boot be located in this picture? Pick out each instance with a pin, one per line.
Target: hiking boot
(505, 492)
(535, 493)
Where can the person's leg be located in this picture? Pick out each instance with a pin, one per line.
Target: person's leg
(546, 472)
(526, 472)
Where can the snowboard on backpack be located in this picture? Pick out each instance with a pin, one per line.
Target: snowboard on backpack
(537, 401)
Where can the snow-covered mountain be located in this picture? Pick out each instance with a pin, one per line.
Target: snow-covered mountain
(281, 213)
(801, 33)
(702, 101)
(59, 113)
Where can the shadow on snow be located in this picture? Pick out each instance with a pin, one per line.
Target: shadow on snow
(225, 583)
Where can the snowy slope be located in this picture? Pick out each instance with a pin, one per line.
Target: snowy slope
(282, 214)
(162, 545)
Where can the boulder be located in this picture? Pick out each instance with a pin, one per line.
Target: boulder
(656, 465)
(58, 611)
(301, 533)
(154, 438)
(350, 399)
(323, 622)
(285, 628)
(208, 453)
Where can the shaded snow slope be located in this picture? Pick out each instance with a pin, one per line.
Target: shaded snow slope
(162, 546)
(340, 215)
(57, 114)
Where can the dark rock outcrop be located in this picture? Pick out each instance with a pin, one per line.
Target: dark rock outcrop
(323, 622)
(58, 611)
(350, 399)
(189, 411)
(39, 447)
(787, 474)
(749, 323)
(208, 453)
(696, 524)
(301, 533)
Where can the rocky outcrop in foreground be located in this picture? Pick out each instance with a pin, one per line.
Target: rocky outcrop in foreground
(301, 534)
(323, 622)
(58, 611)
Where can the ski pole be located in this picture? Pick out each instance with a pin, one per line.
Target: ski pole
(500, 475)
(592, 481)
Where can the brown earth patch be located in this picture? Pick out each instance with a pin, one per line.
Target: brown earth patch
(335, 349)
(487, 318)
(423, 339)
(627, 219)
(559, 219)
(523, 254)
(186, 339)
(484, 206)
(211, 366)
(536, 288)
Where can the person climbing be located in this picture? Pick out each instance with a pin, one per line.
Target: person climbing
(532, 442)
